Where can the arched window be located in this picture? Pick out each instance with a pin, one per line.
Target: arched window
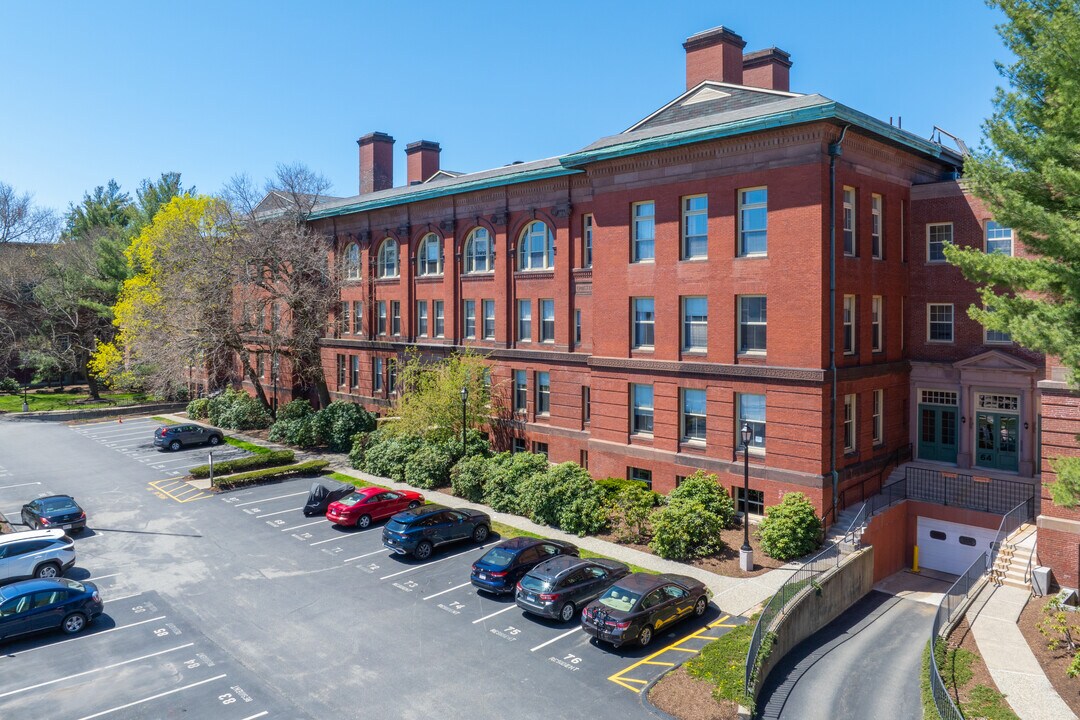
(429, 256)
(479, 252)
(352, 262)
(387, 258)
(536, 247)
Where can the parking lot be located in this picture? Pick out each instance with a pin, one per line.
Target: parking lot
(287, 616)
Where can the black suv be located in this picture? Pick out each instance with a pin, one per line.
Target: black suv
(559, 587)
(175, 437)
(503, 565)
(635, 608)
(416, 532)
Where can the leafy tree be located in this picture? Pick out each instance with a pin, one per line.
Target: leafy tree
(566, 497)
(685, 529)
(509, 473)
(630, 513)
(470, 476)
(705, 489)
(21, 221)
(1028, 175)
(791, 528)
(429, 401)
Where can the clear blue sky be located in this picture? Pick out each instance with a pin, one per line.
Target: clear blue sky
(127, 90)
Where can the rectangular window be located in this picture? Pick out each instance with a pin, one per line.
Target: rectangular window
(583, 459)
(358, 317)
(849, 221)
(586, 405)
(395, 317)
(540, 448)
(751, 413)
(577, 327)
(903, 234)
(642, 417)
(693, 416)
(644, 322)
(752, 323)
(543, 393)
(518, 445)
(586, 232)
(997, 337)
(421, 318)
(275, 317)
(524, 320)
(875, 323)
(644, 240)
(341, 379)
(440, 320)
(939, 322)
(382, 317)
(354, 372)
(875, 227)
(695, 227)
(640, 475)
(999, 239)
(547, 321)
(260, 365)
(849, 324)
(521, 391)
(849, 423)
(376, 374)
(754, 503)
(937, 234)
(489, 319)
(343, 319)
(391, 375)
(753, 221)
(695, 323)
(879, 402)
(470, 319)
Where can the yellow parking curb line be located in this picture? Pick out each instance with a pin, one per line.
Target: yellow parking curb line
(657, 662)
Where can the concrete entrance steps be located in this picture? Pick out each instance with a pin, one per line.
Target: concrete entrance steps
(1010, 567)
(843, 522)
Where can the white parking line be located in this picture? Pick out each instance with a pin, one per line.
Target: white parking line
(90, 635)
(279, 497)
(297, 527)
(155, 697)
(279, 512)
(366, 555)
(448, 557)
(568, 633)
(5, 487)
(456, 587)
(95, 670)
(124, 597)
(500, 612)
(264, 713)
(102, 577)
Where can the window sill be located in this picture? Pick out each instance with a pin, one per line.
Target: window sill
(696, 351)
(941, 342)
(697, 446)
(538, 274)
(752, 354)
(644, 349)
(752, 256)
(704, 258)
(646, 261)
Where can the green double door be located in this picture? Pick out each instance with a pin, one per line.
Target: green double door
(937, 433)
(996, 441)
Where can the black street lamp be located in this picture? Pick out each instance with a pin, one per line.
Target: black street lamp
(25, 405)
(746, 553)
(464, 418)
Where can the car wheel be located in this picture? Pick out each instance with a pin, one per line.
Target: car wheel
(567, 612)
(214, 440)
(646, 636)
(174, 445)
(422, 551)
(414, 504)
(48, 570)
(480, 533)
(700, 606)
(73, 623)
(363, 522)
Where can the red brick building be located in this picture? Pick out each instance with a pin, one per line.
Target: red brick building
(641, 299)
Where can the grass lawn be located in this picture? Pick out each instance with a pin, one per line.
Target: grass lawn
(723, 663)
(250, 447)
(39, 401)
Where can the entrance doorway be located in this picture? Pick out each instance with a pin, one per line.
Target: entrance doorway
(995, 441)
(938, 423)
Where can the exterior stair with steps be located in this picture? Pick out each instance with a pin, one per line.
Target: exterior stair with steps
(843, 521)
(1011, 563)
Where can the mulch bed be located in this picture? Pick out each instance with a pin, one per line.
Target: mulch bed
(688, 698)
(1054, 662)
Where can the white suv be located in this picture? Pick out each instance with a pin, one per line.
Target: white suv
(37, 554)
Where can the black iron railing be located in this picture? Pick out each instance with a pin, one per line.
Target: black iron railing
(948, 611)
(966, 491)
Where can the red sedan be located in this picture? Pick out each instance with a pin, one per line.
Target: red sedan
(371, 503)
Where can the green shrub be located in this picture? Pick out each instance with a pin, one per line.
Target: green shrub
(429, 467)
(295, 410)
(612, 486)
(387, 458)
(277, 473)
(10, 385)
(509, 472)
(566, 497)
(252, 462)
(469, 477)
(706, 489)
(338, 422)
(198, 408)
(629, 513)
(361, 442)
(237, 410)
(790, 529)
(684, 530)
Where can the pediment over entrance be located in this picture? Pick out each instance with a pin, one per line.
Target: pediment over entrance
(995, 360)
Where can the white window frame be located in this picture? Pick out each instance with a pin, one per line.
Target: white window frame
(395, 318)
(342, 371)
(587, 239)
(746, 207)
(344, 326)
(543, 397)
(930, 322)
(381, 325)
(524, 321)
(638, 241)
(876, 315)
(850, 222)
(438, 310)
(376, 374)
(358, 316)
(473, 258)
(689, 323)
(426, 265)
(521, 391)
(488, 317)
(536, 232)
(387, 259)
(468, 313)
(684, 413)
(354, 371)
(743, 325)
(421, 318)
(643, 324)
(547, 324)
(851, 408)
(756, 448)
(877, 238)
(635, 408)
(850, 325)
(351, 261)
(689, 214)
(879, 417)
(1001, 234)
(930, 243)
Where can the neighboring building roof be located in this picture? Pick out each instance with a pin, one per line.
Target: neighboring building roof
(283, 200)
(444, 174)
(710, 98)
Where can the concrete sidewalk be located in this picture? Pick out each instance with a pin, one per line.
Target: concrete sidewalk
(1009, 659)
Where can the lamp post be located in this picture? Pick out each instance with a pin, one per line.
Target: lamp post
(746, 553)
(464, 418)
(25, 405)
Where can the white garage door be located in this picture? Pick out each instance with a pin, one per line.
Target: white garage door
(951, 547)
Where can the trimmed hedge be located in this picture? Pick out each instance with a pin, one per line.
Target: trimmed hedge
(252, 462)
(335, 426)
(509, 473)
(470, 476)
(277, 473)
(238, 411)
(683, 529)
(791, 528)
(565, 497)
(198, 409)
(612, 486)
(705, 489)
(429, 467)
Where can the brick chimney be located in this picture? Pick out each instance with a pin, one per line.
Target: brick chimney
(423, 159)
(715, 54)
(767, 69)
(376, 162)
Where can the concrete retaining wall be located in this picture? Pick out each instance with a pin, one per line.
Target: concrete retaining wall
(840, 589)
(95, 413)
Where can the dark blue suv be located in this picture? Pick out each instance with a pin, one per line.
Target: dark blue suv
(418, 531)
(499, 570)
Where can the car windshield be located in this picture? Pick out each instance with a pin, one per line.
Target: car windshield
(497, 557)
(396, 526)
(618, 598)
(58, 505)
(535, 584)
(352, 499)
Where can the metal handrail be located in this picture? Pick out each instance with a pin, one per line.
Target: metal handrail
(892, 461)
(1027, 570)
(952, 602)
(1009, 523)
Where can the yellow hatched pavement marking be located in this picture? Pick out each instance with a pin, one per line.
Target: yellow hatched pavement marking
(174, 493)
(620, 678)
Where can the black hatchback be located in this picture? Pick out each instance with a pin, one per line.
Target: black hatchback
(635, 608)
(503, 565)
(35, 605)
(54, 511)
(559, 587)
